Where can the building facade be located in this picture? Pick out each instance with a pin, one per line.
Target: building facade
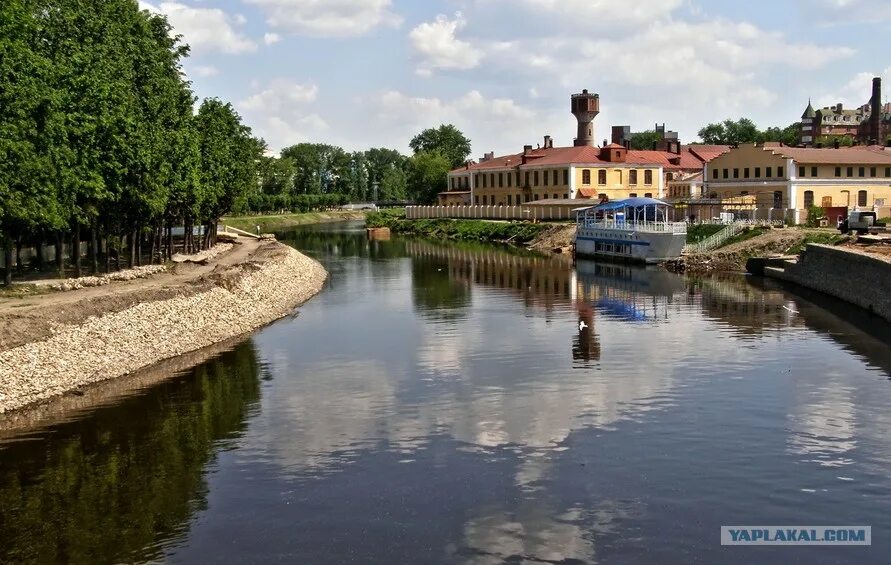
(869, 124)
(784, 182)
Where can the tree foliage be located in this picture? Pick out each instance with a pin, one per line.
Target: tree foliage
(97, 131)
(744, 130)
(446, 140)
(644, 139)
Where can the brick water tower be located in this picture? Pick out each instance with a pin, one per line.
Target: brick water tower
(585, 108)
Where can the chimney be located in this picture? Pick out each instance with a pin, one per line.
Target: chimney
(838, 107)
(875, 118)
(527, 149)
(548, 142)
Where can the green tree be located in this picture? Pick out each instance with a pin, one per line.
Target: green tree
(426, 175)
(446, 140)
(393, 185)
(644, 139)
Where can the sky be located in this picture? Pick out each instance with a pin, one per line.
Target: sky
(373, 73)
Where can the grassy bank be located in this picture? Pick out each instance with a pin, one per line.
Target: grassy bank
(464, 230)
(278, 222)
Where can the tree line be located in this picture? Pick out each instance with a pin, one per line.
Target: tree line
(311, 175)
(100, 141)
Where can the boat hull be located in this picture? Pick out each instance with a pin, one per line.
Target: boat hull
(628, 245)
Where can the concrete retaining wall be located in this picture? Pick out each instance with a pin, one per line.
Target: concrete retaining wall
(850, 275)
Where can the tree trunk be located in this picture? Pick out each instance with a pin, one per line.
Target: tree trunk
(153, 245)
(75, 249)
(131, 249)
(18, 253)
(7, 258)
(107, 249)
(138, 238)
(39, 248)
(186, 236)
(60, 254)
(94, 251)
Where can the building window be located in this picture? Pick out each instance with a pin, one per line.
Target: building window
(714, 174)
(757, 172)
(838, 171)
(888, 171)
(508, 199)
(546, 177)
(745, 192)
(586, 176)
(492, 180)
(632, 176)
(768, 172)
(510, 179)
(566, 176)
(813, 171)
(527, 178)
(602, 197)
(746, 173)
(476, 199)
(535, 178)
(518, 178)
(632, 195)
(801, 170)
(648, 195)
(452, 181)
(780, 172)
(861, 198)
(601, 176)
(736, 173)
(500, 180)
(556, 177)
(861, 172)
(777, 198)
(850, 171)
(808, 198)
(535, 197)
(528, 197)
(725, 173)
(872, 171)
(476, 179)
(556, 197)
(648, 177)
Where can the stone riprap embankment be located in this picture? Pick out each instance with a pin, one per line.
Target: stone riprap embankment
(851, 275)
(232, 302)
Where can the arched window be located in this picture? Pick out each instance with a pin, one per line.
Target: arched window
(808, 198)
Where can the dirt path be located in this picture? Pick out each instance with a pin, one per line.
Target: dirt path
(32, 318)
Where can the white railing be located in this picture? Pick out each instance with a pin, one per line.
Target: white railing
(490, 212)
(717, 238)
(659, 227)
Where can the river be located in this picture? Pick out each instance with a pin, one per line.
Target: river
(446, 403)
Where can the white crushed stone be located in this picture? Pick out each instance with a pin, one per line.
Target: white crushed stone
(115, 344)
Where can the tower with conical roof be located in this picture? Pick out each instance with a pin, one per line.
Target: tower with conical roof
(808, 123)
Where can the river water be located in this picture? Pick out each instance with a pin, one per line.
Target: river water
(440, 404)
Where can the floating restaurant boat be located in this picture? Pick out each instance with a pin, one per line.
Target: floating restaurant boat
(634, 229)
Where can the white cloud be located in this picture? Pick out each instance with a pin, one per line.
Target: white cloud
(856, 92)
(439, 47)
(278, 113)
(600, 13)
(206, 71)
(270, 38)
(328, 18)
(205, 29)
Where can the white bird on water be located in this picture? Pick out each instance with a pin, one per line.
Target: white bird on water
(582, 325)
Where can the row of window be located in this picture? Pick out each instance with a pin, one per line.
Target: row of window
(632, 176)
(861, 171)
(768, 173)
(513, 199)
(531, 178)
(862, 199)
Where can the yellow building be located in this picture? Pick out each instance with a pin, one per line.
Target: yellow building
(784, 182)
(606, 173)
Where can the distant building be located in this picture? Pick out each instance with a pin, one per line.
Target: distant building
(778, 182)
(610, 172)
(869, 124)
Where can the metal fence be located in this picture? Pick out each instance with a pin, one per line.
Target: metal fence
(717, 238)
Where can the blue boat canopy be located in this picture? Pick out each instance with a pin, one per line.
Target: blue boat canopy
(636, 202)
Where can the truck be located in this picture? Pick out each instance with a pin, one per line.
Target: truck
(860, 222)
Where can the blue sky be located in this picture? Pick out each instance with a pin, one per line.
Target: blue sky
(364, 73)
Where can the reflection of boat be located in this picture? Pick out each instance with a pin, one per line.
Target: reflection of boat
(649, 281)
(621, 309)
(634, 229)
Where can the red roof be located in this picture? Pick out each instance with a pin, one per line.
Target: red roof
(859, 155)
(706, 153)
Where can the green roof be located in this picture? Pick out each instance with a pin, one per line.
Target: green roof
(809, 111)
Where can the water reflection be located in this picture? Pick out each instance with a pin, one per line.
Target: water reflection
(460, 403)
(116, 486)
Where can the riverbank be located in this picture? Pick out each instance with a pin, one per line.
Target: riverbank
(58, 342)
(280, 222)
(516, 233)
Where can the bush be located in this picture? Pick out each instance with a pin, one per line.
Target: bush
(466, 230)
